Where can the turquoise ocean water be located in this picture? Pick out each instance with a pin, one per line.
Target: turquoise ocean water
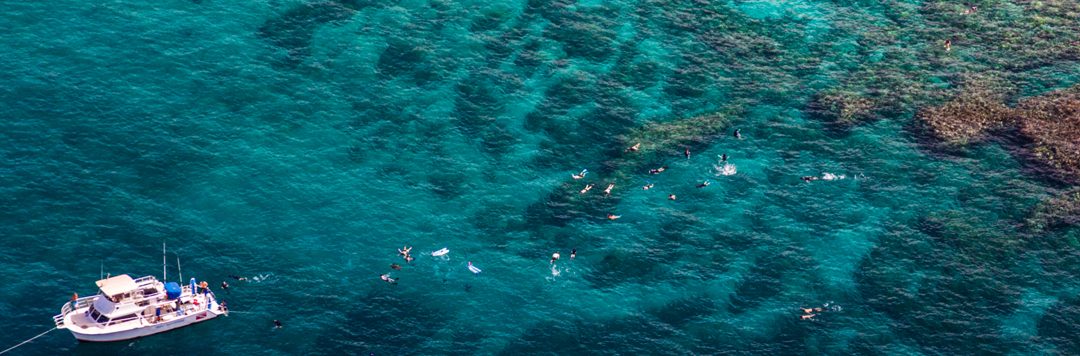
(303, 142)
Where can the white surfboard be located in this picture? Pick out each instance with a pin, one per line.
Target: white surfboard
(441, 252)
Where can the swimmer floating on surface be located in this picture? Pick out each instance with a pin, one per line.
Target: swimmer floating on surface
(607, 191)
(658, 170)
(555, 257)
(634, 148)
(611, 216)
(647, 186)
(586, 189)
(580, 175)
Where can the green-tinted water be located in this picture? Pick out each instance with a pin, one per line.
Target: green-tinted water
(304, 142)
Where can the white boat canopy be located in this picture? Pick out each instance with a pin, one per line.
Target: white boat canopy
(117, 285)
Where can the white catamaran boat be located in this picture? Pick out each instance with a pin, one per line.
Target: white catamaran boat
(129, 308)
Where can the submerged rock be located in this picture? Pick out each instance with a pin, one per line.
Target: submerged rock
(1056, 211)
(1050, 122)
(842, 107)
(978, 109)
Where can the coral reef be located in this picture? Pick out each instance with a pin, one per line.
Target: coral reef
(976, 110)
(1052, 123)
(842, 107)
(1057, 211)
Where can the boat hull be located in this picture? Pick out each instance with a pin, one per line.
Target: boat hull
(145, 330)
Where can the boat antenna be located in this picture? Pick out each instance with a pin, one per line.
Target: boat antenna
(178, 268)
(102, 274)
(164, 265)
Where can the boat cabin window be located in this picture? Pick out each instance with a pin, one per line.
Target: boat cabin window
(94, 314)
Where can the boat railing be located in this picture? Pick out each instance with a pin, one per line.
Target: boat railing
(72, 306)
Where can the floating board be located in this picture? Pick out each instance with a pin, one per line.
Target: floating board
(441, 252)
(474, 269)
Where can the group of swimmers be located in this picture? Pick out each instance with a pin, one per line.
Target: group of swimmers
(636, 147)
(406, 253)
(555, 256)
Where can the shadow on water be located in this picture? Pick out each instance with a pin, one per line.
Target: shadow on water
(293, 31)
(947, 275)
(1058, 326)
(624, 336)
(682, 311)
(383, 324)
(765, 280)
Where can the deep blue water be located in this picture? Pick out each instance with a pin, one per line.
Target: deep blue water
(305, 141)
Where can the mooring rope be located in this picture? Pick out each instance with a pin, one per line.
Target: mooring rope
(27, 340)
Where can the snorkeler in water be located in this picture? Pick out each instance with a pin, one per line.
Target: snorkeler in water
(703, 184)
(809, 179)
(238, 278)
(738, 133)
(671, 196)
(948, 45)
(658, 170)
(723, 157)
(611, 216)
(386, 278)
(573, 253)
(586, 189)
(634, 148)
(395, 266)
(607, 191)
(687, 153)
(580, 175)
(647, 186)
(555, 257)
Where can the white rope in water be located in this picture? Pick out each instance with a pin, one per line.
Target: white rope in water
(27, 340)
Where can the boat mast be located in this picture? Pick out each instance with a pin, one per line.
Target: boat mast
(164, 265)
(178, 267)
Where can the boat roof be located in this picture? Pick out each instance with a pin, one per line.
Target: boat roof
(117, 285)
